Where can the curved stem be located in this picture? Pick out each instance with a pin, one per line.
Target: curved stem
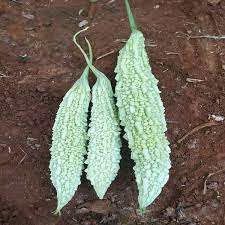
(86, 71)
(97, 73)
(132, 22)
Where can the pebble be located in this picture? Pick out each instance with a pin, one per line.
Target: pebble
(223, 66)
(192, 144)
(83, 23)
(213, 186)
(28, 16)
(217, 118)
(170, 212)
(198, 205)
(214, 1)
(41, 88)
(37, 146)
(183, 180)
(82, 211)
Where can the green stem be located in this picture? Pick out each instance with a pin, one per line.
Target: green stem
(132, 22)
(86, 71)
(97, 73)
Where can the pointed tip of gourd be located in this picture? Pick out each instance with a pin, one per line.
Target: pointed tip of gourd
(100, 191)
(100, 194)
(142, 210)
(57, 212)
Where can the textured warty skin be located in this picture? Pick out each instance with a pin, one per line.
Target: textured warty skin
(69, 141)
(104, 137)
(104, 132)
(142, 113)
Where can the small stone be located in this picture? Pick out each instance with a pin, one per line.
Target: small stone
(83, 23)
(170, 212)
(183, 180)
(41, 88)
(156, 6)
(213, 186)
(28, 16)
(213, 2)
(217, 118)
(192, 144)
(37, 146)
(82, 210)
(223, 66)
(22, 58)
(198, 205)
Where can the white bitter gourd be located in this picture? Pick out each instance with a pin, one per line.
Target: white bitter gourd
(69, 140)
(104, 133)
(142, 113)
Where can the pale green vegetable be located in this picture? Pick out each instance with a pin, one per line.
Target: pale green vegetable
(69, 140)
(104, 133)
(142, 113)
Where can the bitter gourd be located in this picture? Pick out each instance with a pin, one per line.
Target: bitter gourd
(141, 111)
(69, 140)
(104, 133)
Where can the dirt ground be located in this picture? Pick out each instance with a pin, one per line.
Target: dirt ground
(39, 63)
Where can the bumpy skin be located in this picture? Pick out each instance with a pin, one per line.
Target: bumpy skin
(69, 141)
(104, 138)
(142, 113)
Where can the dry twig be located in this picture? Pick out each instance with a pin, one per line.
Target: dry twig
(171, 53)
(25, 155)
(188, 37)
(210, 175)
(196, 129)
(106, 54)
(16, 1)
(3, 75)
(193, 80)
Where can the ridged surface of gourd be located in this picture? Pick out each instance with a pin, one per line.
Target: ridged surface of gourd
(142, 113)
(69, 141)
(104, 138)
